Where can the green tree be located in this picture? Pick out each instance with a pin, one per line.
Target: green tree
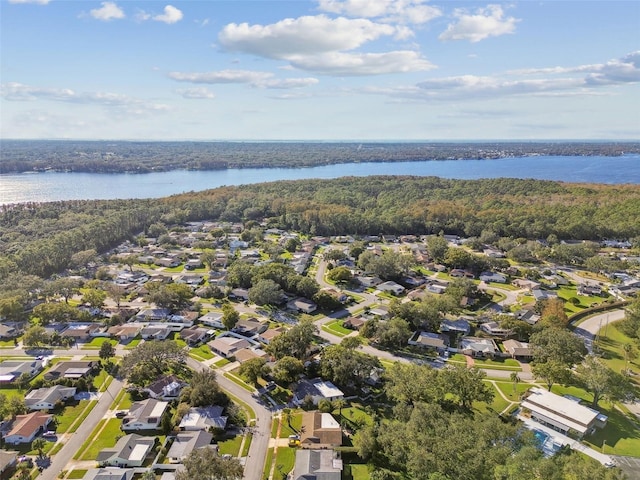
(38, 444)
(230, 316)
(107, 350)
(394, 334)
(347, 367)
(340, 275)
(515, 378)
(266, 292)
(287, 369)
(466, 384)
(437, 247)
(173, 296)
(35, 336)
(239, 274)
(94, 297)
(207, 464)
(252, 370)
(148, 360)
(557, 344)
(295, 342)
(552, 372)
(204, 390)
(601, 381)
(115, 292)
(49, 312)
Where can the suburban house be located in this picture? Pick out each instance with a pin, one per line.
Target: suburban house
(156, 332)
(194, 335)
(167, 387)
(250, 326)
(129, 451)
(187, 442)
(320, 430)
(268, 335)
(369, 282)
(124, 333)
(354, 323)
(338, 295)
(561, 413)
(317, 465)
(316, 389)
(429, 340)
(152, 314)
(47, 398)
(212, 319)
(239, 293)
(302, 305)
(455, 326)
(245, 354)
(109, 473)
(526, 284)
(144, 415)
(493, 277)
(24, 428)
(227, 346)
(10, 370)
(494, 328)
(539, 294)
(8, 331)
(518, 350)
(203, 418)
(71, 369)
(478, 347)
(392, 287)
(83, 333)
(8, 462)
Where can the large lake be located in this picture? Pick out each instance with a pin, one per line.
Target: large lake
(45, 187)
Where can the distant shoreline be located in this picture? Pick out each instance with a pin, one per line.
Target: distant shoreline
(23, 156)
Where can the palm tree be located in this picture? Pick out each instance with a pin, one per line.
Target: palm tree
(39, 444)
(339, 403)
(628, 352)
(515, 379)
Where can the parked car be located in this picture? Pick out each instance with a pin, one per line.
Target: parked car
(121, 414)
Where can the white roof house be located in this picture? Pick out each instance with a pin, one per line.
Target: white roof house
(144, 415)
(212, 319)
(203, 418)
(317, 389)
(47, 398)
(561, 413)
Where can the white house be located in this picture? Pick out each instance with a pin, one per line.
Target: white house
(493, 277)
(203, 418)
(47, 398)
(317, 389)
(392, 287)
(561, 413)
(129, 451)
(144, 415)
(25, 428)
(302, 305)
(213, 319)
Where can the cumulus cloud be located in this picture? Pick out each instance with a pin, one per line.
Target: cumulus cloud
(14, 91)
(171, 15)
(301, 36)
(322, 45)
(200, 93)
(108, 11)
(354, 64)
(39, 2)
(484, 23)
(250, 77)
(395, 11)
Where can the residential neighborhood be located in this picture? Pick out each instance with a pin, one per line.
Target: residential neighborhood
(309, 333)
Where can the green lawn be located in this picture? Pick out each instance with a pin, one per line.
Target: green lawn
(77, 474)
(499, 364)
(247, 445)
(296, 425)
(506, 387)
(503, 286)
(69, 415)
(201, 352)
(239, 381)
(336, 328)
(222, 362)
(621, 434)
(355, 471)
(611, 341)
(285, 459)
(230, 446)
(267, 464)
(101, 439)
(97, 342)
(133, 343)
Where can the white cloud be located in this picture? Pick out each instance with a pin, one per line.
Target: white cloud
(354, 64)
(396, 11)
(108, 11)
(197, 93)
(171, 15)
(14, 91)
(302, 36)
(38, 2)
(484, 23)
(253, 78)
(142, 16)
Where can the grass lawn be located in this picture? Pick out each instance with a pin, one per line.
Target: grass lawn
(506, 387)
(336, 328)
(503, 286)
(621, 434)
(13, 392)
(247, 445)
(611, 341)
(69, 415)
(133, 343)
(8, 343)
(267, 464)
(285, 459)
(99, 379)
(296, 425)
(77, 474)
(97, 342)
(238, 381)
(501, 364)
(355, 471)
(222, 362)
(202, 351)
(101, 438)
(230, 446)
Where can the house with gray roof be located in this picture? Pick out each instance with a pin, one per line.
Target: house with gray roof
(203, 418)
(110, 473)
(10, 370)
(187, 442)
(47, 398)
(144, 415)
(317, 465)
(129, 451)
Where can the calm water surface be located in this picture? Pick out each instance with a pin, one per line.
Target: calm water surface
(45, 187)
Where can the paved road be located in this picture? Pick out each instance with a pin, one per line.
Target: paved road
(592, 325)
(261, 432)
(75, 440)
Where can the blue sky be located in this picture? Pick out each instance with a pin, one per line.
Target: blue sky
(320, 70)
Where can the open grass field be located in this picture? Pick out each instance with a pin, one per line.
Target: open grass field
(611, 342)
(105, 435)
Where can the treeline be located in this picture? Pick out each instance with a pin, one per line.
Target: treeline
(41, 239)
(143, 157)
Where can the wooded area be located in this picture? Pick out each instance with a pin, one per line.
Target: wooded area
(143, 157)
